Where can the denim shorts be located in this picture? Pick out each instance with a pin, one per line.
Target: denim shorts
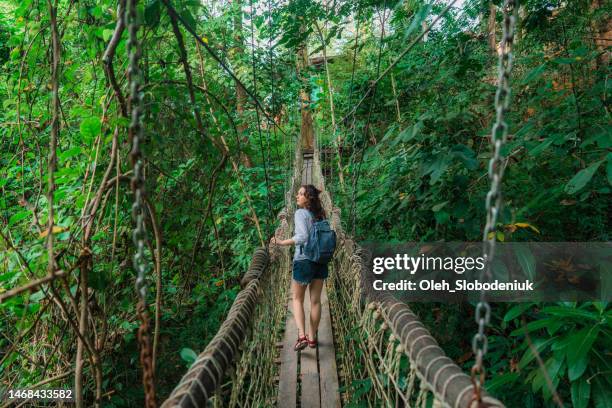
(305, 271)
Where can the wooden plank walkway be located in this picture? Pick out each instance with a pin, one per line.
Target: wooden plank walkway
(318, 377)
(307, 168)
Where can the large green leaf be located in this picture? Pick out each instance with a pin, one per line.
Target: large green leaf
(602, 393)
(465, 155)
(539, 345)
(541, 147)
(581, 178)
(581, 393)
(526, 260)
(152, 12)
(534, 74)
(531, 326)
(578, 351)
(437, 167)
(188, 355)
(15, 218)
(552, 367)
(90, 128)
(516, 311)
(579, 314)
(417, 20)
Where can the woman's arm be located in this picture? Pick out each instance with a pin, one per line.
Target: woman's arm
(301, 231)
(282, 242)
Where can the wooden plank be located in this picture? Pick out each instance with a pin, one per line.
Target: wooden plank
(309, 373)
(330, 397)
(307, 171)
(287, 383)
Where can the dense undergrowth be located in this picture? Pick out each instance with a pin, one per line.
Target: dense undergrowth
(417, 148)
(423, 178)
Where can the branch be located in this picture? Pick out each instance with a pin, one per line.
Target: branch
(172, 12)
(54, 130)
(183, 55)
(158, 281)
(109, 54)
(397, 60)
(30, 286)
(211, 191)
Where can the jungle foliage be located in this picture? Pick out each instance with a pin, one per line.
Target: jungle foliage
(412, 161)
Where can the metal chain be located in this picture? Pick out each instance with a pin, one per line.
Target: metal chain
(493, 202)
(140, 261)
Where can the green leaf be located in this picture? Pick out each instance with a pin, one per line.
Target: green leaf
(534, 74)
(526, 260)
(602, 394)
(107, 34)
(441, 217)
(582, 178)
(465, 155)
(581, 393)
(578, 350)
(7, 276)
(417, 20)
(579, 314)
(90, 128)
(410, 132)
(498, 381)
(70, 153)
(15, 218)
(564, 60)
(437, 167)
(541, 147)
(439, 206)
(531, 326)
(552, 367)
(516, 311)
(539, 345)
(152, 12)
(188, 355)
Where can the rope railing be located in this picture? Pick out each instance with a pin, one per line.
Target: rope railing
(237, 368)
(385, 354)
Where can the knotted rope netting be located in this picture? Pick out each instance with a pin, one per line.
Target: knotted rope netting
(386, 356)
(237, 368)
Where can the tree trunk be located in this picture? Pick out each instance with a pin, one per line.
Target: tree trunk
(491, 27)
(306, 131)
(241, 95)
(602, 31)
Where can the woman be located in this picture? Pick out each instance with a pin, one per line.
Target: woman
(305, 272)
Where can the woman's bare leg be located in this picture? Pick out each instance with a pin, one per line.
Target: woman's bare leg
(316, 287)
(297, 292)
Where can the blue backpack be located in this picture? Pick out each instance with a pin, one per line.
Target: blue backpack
(321, 242)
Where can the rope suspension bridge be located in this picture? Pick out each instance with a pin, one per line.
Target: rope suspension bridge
(244, 367)
(363, 334)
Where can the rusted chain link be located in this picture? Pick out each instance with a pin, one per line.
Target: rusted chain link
(493, 202)
(140, 262)
(146, 355)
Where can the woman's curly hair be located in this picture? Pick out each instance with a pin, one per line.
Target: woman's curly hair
(313, 203)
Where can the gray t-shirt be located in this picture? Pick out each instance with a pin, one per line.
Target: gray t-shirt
(303, 223)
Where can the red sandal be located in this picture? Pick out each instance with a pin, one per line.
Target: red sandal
(312, 343)
(301, 343)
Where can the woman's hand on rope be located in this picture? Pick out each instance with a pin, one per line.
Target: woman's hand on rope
(281, 242)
